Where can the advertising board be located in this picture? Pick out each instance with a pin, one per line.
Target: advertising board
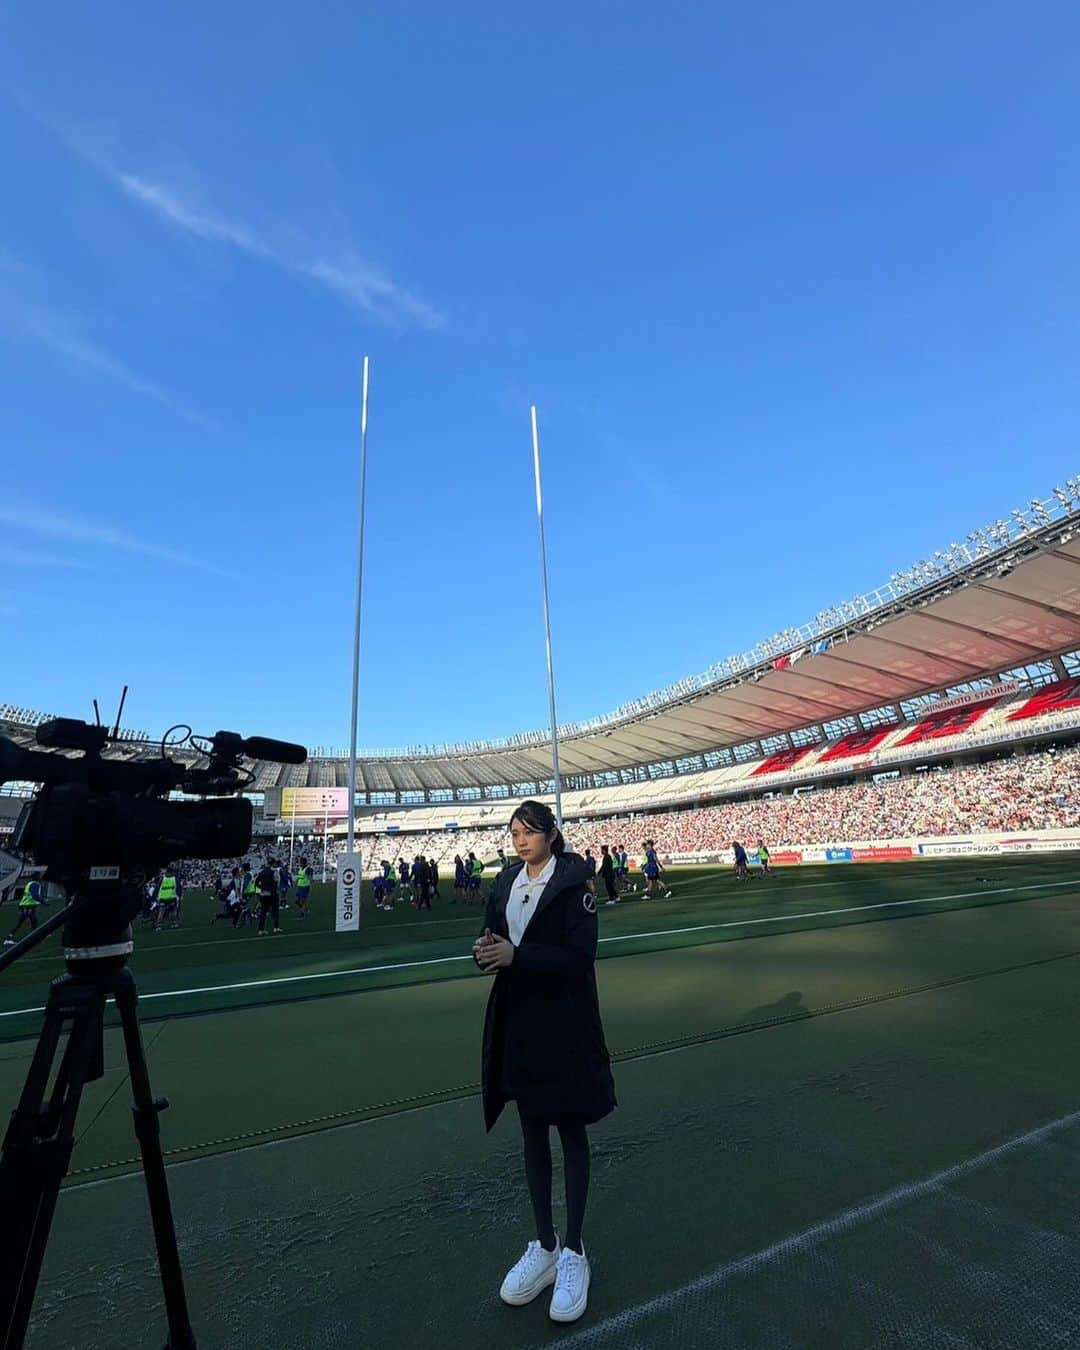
(1032, 843)
(307, 801)
(347, 894)
(959, 848)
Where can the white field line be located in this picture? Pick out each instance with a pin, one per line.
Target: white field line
(806, 1239)
(684, 888)
(625, 937)
(848, 909)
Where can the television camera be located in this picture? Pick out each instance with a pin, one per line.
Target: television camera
(101, 827)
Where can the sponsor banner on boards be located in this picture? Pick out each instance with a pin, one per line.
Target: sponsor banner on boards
(888, 853)
(1033, 844)
(959, 848)
(786, 858)
(348, 893)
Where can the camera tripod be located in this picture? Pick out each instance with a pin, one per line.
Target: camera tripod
(41, 1135)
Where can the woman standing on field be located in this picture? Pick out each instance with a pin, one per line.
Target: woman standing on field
(544, 1043)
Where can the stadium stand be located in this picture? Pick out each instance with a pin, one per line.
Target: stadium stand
(857, 744)
(785, 759)
(1035, 791)
(970, 657)
(1053, 698)
(939, 726)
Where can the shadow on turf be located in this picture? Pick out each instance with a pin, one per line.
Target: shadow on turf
(789, 1007)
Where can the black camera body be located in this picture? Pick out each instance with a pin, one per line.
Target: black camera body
(71, 828)
(101, 827)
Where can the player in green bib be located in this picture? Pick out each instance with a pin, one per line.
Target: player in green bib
(167, 901)
(28, 908)
(303, 887)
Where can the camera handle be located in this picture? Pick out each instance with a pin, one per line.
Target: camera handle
(40, 1138)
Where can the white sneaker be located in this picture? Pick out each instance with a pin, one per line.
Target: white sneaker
(9, 942)
(532, 1274)
(571, 1293)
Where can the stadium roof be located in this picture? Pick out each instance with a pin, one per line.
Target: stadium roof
(1008, 598)
(969, 628)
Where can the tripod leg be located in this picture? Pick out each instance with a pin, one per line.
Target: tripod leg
(146, 1109)
(37, 1148)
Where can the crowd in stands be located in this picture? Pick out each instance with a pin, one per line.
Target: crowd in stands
(263, 852)
(1035, 791)
(1030, 792)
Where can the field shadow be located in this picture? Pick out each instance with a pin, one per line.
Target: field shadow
(791, 1005)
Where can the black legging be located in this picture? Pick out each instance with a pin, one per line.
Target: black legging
(575, 1143)
(609, 885)
(268, 904)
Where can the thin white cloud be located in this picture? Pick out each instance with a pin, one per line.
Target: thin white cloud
(359, 284)
(350, 279)
(24, 316)
(54, 331)
(356, 282)
(74, 530)
(178, 213)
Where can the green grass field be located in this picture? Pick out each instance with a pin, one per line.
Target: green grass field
(849, 1117)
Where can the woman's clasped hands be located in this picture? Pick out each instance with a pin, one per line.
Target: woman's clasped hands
(492, 953)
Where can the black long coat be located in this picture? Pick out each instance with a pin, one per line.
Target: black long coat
(543, 1037)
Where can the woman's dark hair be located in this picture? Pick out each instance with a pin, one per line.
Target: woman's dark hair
(536, 816)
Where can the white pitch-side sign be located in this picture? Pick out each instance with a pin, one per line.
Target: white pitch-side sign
(348, 893)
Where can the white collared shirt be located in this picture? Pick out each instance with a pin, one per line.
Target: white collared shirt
(524, 894)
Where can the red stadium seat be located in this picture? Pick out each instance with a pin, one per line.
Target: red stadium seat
(1053, 698)
(951, 723)
(786, 759)
(858, 743)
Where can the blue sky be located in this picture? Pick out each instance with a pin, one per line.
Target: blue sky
(796, 289)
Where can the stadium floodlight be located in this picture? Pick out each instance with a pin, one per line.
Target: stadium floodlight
(1039, 512)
